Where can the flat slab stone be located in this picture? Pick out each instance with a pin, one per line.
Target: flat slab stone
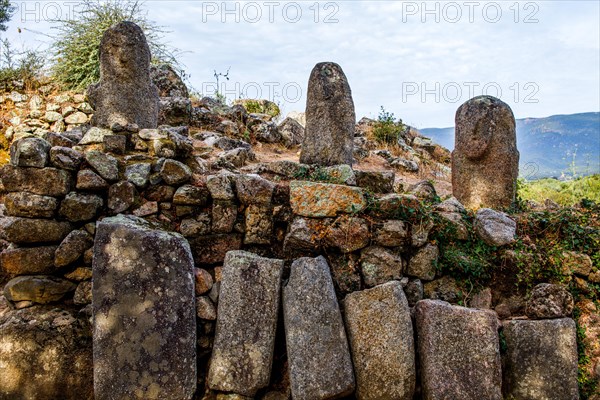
(41, 181)
(381, 338)
(246, 323)
(319, 200)
(459, 352)
(320, 365)
(144, 315)
(541, 360)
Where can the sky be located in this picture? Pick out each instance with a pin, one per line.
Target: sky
(420, 60)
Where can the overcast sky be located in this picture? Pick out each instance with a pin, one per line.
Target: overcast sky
(420, 60)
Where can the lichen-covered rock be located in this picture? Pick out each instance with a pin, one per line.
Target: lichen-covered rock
(541, 360)
(291, 132)
(125, 94)
(121, 196)
(26, 230)
(259, 224)
(189, 195)
(175, 173)
(220, 187)
(266, 132)
(347, 234)
(211, 249)
(168, 82)
(40, 289)
(549, 301)
(95, 135)
(205, 309)
(65, 158)
(30, 152)
(485, 160)
(144, 320)
(459, 352)
(23, 204)
(577, 263)
(72, 247)
(83, 293)
(303, 235)
(89, 180)
(345, 270)
(246, 323)
(381, 338)
(446, 289)
(174, 111)
(253, 189)
(494, 227)
(78, 207)
(423, 263)
(392, 233)
(376, 181)
(330, 117)
(28, 260)
(380, 265)
(42, 181)
(45, 353)
(319, 358)
(138, 174)
(104, 164)
(319, 200)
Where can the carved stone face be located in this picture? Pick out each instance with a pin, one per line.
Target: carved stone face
(332, 80)
(124, 53)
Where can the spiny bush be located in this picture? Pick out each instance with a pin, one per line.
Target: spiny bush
(386, 129)
(76, 62)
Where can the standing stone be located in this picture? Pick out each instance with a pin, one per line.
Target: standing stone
(541, 360)
(381, 338)
(485, 160)
(320, 366)
(330, 117)
(144, 315)
(246, 323)
(125, 93)
(459, 352)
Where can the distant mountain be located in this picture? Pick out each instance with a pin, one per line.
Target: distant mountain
(549, 147)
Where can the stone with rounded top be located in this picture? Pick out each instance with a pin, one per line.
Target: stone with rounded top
(330, 117)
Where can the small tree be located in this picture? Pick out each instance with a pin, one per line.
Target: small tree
(386, 129)
(76, 62)
(6, 12)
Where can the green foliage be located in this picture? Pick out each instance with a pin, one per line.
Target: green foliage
(587, 384)
(6, 12)
(18, 66)
(387, 129)
(76, 62)
(566, 193)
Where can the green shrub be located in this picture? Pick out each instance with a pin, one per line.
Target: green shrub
(386, 129)
(76, 62)
(18, 66)
(565, 193)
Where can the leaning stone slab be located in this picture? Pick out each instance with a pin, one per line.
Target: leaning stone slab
(330, 117)
(320, 366)
(541, 360)
(246, 323)
(42, 181)
(144, 315)
(381, 338)
(320, 200)
(458, 352)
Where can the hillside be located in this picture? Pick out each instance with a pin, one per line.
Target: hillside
(550, 146)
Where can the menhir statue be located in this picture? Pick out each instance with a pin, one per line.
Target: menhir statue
(485, 160)
(125, 93)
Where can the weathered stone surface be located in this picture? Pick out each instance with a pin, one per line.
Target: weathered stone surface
(104, 164)
(168, 82)
(95, 135)
(446, 289)
(330, 117)
(392, 233)
(203, 281)
(292, 133)
(381, 338)
(379, 265)
(494, 227)
(220, 187)
(40, 289)
(259, 224)
(26, 230)
(174, 111)
(211, 249)
(485, 160)
(191, 196)
(458, 351)
(175, 173)
(121, 196)
(125, 93)
(45, 353)
(224, 216)
(376, 181)
(253, 189)
(89, 180)
(304, 235)
(28, 261)
(23, 204)
(83, 293)
(549, 301)
(205, 309)
(319, 358)
(29, 152)
(247, 320)
(77, 118)
(414, 291)
(577, 263)
(65, 158)
(144, 322)
(345, 271)
(423, 263)
(138, 174)
(348, 234)
(395, 206)
(319, 200)
(77, 207)
(43, 181)
(72, 247)
(541, 360)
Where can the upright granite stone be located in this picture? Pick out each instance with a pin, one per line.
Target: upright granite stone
(144, 316)
(320, 366)
(459, 352)
(125, 94)
(485, 160)
(381, 338)
(541, 360)
(330, 117)
(246, 323)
